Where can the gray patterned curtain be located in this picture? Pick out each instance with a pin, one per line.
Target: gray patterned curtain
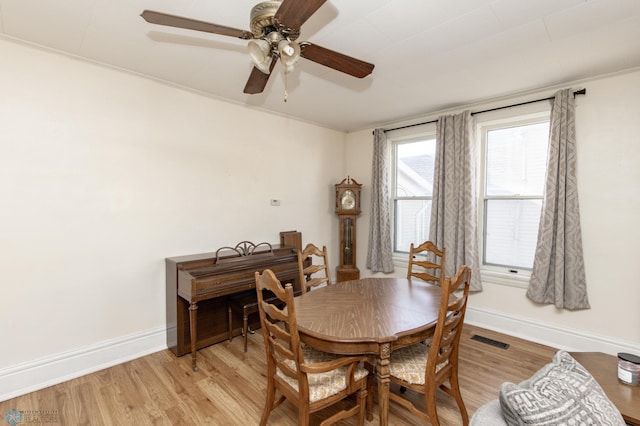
(454, 211)
(380, 254)
(558, 275)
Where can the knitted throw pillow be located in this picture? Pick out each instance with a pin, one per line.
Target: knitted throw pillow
(561, 393)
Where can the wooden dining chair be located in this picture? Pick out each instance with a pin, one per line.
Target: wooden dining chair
(430, 266)
(315, 273)
(424, 368)
(312, 380)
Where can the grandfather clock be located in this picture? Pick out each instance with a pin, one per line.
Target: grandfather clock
(348, 209)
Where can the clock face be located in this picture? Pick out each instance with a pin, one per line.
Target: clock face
(348, 200)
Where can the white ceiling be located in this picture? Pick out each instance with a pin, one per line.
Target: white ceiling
(429, 55)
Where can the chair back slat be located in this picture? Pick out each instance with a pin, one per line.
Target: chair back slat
(427, 264)
(425, 276)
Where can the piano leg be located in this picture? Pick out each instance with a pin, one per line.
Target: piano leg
(230, 314)
(245, 328)
(193, 325)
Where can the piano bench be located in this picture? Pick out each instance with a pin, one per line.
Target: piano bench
(246, 304)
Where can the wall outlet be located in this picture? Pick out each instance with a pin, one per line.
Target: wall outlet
(275, 202)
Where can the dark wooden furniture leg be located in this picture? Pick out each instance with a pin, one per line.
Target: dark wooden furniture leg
(247, 304)
(245, 323)
(193, 325)
(230, 313)
(245, 326)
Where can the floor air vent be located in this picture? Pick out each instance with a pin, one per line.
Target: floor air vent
(491, 342)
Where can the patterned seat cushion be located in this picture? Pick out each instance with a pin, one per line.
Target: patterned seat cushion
(561, 393)
(323, 385)
(409, 363)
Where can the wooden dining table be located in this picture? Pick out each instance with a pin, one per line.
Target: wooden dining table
(369, 316)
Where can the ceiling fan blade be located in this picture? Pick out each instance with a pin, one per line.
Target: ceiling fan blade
(294, 13)
(258, 80)
(160, 18)
(335, 60)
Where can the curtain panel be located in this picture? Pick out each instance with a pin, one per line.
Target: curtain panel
(380, 253)
(558, 275)
(454, 219)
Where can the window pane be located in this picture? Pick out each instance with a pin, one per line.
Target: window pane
(414, 168)
(516, 159)
(511, 232)
(412, 223)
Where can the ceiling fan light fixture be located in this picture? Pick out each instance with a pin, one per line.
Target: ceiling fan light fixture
(275, 27)
(289, 52)
(260, 54)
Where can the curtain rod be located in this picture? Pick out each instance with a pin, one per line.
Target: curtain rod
(576, 93)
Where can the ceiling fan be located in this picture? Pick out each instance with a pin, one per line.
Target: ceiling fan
(275, 27)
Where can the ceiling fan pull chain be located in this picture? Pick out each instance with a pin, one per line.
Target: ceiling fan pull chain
(286, 94)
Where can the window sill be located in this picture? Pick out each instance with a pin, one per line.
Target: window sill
(401, 260)
(504, 278)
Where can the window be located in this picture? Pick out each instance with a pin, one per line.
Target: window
(412, 190)
(514, 167)
(512, 170)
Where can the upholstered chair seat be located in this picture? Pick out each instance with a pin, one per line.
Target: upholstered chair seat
(409, 364)
(322, 385)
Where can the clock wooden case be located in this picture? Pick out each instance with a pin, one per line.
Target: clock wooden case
(348, 209)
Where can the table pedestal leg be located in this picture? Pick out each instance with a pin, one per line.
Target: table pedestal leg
(193, 331)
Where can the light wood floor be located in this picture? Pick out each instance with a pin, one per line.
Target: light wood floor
(229, 389)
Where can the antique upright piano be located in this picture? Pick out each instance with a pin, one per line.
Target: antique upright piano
(196, 287)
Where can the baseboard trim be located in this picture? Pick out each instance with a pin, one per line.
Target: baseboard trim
(30, 376)
(546, 333)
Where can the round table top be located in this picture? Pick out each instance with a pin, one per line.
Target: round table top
(368, 310)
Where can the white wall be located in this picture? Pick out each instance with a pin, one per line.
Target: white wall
(104, 174)
(607, 125)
